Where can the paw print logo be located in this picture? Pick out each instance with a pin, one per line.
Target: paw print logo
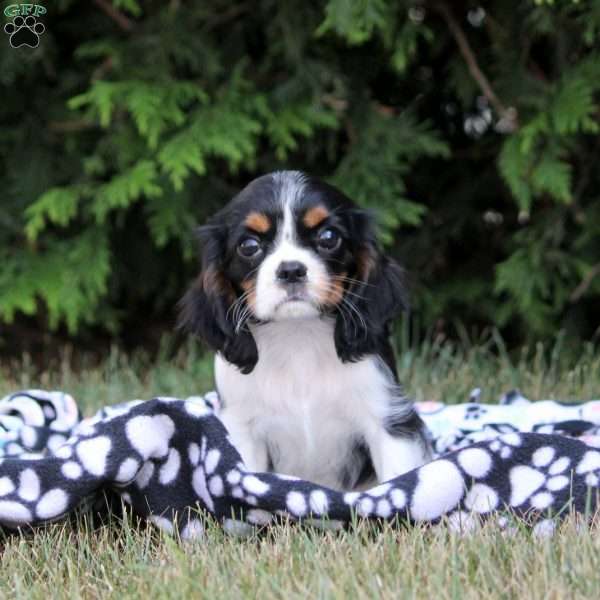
(24, 31)
(539, 482)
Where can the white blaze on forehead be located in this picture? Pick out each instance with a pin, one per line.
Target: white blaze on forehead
(289, 187)
(288, 227)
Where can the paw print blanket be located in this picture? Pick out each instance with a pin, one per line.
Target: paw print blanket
(171, 460)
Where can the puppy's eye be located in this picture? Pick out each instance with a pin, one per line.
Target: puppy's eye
(329, 240)
(249, 248)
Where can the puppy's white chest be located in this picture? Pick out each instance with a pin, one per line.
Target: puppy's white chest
(301, 402)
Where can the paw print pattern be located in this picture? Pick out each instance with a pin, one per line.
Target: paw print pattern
(382, 501)
(24, 31)
(538, 482)
(246, 487)
(589, 467)
(206, 483)
(170, 458)
(474, 411)
(29, 502)
(35, 421)
(127, 450)
(505, 444)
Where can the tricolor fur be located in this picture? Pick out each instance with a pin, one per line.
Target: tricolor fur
(296, 298)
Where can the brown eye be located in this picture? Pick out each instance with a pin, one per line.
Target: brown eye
(329, 240)
(249, 248)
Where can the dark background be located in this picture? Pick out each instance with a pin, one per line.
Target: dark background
(470, 128)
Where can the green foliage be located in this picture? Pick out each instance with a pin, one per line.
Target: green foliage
(355, 21)
(57, 206)
(128, 126)
(534, 161)
(70, 275)
(385, 148)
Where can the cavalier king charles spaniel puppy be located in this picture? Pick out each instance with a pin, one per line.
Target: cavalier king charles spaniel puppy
(296, 298)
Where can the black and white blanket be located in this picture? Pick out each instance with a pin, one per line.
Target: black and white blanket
(172, 460)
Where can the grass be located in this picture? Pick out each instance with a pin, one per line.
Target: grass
(121, 559)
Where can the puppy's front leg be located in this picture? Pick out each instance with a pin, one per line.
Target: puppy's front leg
(253, 451)
(393, 455)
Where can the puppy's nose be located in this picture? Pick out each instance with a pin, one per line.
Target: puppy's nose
(291, 271)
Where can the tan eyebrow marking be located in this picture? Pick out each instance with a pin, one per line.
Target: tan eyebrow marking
(258, 222)
(315, 216)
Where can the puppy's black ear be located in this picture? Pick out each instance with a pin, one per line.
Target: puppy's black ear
(204, 310)
(377, 293)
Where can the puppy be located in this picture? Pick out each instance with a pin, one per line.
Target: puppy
(296, 298)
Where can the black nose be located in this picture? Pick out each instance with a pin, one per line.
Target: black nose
(291, 271)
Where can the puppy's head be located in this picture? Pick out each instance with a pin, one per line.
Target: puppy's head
(291, 247)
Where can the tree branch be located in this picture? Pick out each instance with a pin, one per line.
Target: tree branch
(124, 23)
(508, 115)
(102, 69)
(582, 288)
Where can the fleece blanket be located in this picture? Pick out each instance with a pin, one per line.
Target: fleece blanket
(172, 461)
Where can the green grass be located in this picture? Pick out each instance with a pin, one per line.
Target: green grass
(121, 559)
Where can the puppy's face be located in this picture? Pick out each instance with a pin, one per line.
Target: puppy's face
(290, 247)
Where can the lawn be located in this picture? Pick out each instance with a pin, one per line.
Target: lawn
(122, 559)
